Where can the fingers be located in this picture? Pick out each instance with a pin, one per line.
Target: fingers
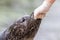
(50, 1)
(41, 11)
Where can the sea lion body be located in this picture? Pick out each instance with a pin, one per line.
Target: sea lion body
(23, 29)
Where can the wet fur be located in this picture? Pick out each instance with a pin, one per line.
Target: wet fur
(23, 29)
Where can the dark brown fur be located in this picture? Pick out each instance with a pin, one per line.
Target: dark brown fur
(23, 29)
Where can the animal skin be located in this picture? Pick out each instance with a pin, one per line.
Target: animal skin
(27, 27)
(23, 29)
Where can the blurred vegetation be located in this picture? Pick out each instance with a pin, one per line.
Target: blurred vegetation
(11, 10)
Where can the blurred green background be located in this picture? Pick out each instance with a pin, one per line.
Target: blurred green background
(11, 10)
